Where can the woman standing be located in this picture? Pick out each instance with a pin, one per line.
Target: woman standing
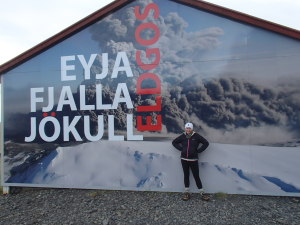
(188, 144)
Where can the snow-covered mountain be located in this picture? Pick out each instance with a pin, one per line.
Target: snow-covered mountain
(156, 166)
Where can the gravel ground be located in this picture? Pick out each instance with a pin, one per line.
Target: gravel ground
(72, 206)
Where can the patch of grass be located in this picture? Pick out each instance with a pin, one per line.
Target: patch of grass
(221, 195)
(94, 194)
(1, 190)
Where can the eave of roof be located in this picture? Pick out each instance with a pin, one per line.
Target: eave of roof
(219, 10)
(242, 17)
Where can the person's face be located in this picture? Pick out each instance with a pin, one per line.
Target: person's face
(188, 130)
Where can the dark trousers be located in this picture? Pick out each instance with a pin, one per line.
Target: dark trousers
(186, 165)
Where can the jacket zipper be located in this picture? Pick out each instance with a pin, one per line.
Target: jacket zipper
(188, 148)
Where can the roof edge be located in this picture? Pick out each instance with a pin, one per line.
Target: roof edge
(76, 27)
(243, 17)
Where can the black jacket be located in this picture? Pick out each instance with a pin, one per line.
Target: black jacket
(189, 146)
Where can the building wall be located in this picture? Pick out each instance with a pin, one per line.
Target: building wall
(76, 114)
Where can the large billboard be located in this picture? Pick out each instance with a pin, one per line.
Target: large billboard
(101, 108)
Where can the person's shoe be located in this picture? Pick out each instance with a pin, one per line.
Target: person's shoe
(201, 191)
(205, 197)
(186, 196)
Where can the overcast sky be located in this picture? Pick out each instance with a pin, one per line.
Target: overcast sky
(22, 22)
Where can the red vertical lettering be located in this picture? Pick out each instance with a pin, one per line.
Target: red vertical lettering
(146, 12)
(149, 126)
(144, 26)
(149, 53)
(150, 66)
(147, 91)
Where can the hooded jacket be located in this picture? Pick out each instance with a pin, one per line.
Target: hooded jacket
(188, 145)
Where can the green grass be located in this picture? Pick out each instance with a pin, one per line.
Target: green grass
(221, 195)
(93, 194)
(96, 193)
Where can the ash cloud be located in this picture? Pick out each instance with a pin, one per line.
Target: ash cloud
(177, 46)
(232, 106)
(229, 109)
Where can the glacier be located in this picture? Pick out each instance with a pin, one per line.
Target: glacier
(155, 166)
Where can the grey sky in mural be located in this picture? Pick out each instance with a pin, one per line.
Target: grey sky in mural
(229, 78)
(230, 84)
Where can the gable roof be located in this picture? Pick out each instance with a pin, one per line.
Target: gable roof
(242, 17)
(94, 17)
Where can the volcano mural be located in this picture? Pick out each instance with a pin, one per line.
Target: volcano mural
(100, 108)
